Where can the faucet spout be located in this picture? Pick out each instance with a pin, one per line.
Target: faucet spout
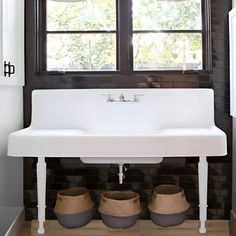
(122, 98)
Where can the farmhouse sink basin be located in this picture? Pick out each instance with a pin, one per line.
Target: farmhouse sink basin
(99, 147)
(120, 126)
(82, 123)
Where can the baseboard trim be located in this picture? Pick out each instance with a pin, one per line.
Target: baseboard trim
(232, 223)
(16, 225)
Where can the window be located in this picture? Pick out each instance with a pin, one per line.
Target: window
(81, 35)
(167, 35)
(123, 35)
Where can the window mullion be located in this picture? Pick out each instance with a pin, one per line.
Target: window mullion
(125, 35)
(166, 31)
(82, 32)
(206, 35)
(41, 36)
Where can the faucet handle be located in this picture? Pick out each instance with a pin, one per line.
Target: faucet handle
(109, 97)
(121, 97)
(136, 97)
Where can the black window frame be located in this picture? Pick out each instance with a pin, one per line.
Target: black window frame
(124, 48)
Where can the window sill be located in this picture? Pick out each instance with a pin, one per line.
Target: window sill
(118, 73)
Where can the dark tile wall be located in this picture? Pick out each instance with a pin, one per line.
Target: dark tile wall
(140, 178)
(64, 173)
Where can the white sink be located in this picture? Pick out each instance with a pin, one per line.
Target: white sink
(81, 123)
(120, 127)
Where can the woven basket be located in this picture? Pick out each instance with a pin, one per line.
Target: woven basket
(73, 200)
(168, 199)
(168, 206)
(120, 203)
(74, 207)
(119, 209)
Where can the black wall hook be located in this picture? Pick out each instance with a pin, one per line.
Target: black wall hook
(8, 69)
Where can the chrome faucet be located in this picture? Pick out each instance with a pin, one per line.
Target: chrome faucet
(122, 99)
(136, 97)
(109, 98)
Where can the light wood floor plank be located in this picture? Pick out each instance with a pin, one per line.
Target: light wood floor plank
(142, 228)
(26, 229)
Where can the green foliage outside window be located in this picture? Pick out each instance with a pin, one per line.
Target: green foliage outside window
(96, 50)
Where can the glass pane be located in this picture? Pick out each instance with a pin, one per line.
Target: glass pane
(172, 51)
(81, 15)
(167, 15)
(84, 52)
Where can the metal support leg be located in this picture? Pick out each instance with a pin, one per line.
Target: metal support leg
(203, 180)
(41, 189)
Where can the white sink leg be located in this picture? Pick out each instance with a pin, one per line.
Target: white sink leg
(203, 180)
(41, 189)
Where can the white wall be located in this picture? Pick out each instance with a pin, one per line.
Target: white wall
(233, 213)
(234, 166)
(11, 169)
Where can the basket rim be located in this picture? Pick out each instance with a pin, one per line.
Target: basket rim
(84, 192)
(178, 189)
(104, 195)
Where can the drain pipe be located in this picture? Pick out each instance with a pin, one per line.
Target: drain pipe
(121, 173)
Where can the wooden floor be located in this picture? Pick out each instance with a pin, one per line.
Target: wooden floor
(142, 228)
